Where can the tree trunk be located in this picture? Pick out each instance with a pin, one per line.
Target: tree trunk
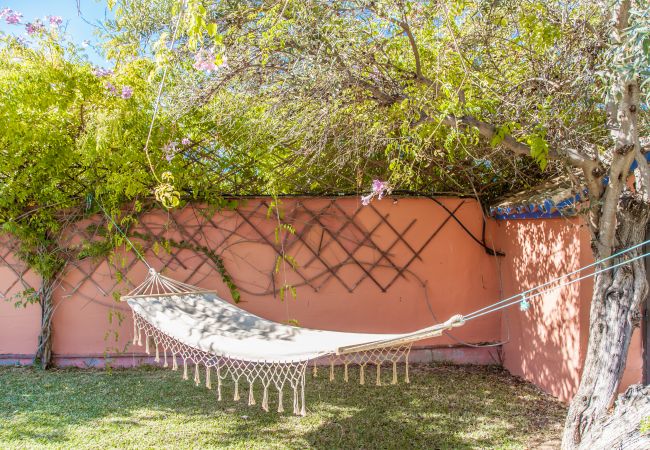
(614, 315)
(43, 356)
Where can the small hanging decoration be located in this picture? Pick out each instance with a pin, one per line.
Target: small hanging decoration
(524, 305)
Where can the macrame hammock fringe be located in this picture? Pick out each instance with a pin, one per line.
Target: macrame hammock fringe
(183, 324)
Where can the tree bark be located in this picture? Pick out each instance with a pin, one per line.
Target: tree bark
(614, 315)
(43, 355)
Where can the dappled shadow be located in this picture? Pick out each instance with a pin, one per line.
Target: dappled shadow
(546, 343)
(443, 407)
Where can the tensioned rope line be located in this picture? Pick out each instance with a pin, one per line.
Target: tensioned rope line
(561, 277)
(493, 308)
(160, 89)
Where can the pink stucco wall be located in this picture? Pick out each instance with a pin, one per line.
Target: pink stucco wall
(19, 326)
(547, 344)
(452, 273)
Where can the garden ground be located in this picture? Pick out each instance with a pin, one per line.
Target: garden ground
(445, 406)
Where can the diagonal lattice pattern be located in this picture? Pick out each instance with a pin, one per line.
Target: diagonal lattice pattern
(332, 243)
(15, 275)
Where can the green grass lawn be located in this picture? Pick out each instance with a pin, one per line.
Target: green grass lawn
(444, 407)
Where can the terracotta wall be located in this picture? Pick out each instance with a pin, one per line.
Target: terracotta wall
(19, 326)
(452, 273)
(547, 344)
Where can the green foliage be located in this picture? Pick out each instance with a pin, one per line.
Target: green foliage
(314, 97)
(322, 97)
(538, 148)
(644, 427)
(22, 299)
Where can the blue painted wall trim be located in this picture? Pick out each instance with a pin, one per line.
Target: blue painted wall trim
(547, 209)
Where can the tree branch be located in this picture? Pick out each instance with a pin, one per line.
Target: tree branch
(488, 131)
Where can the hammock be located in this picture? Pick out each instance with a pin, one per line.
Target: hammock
(202, 329)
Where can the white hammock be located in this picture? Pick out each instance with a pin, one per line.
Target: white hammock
(203, 329)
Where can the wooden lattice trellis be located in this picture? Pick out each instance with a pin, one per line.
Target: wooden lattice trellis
(16, 276)
(330, 237)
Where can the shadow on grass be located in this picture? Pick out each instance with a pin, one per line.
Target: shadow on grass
(443, 407)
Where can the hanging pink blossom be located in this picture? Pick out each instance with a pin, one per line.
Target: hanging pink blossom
(101, 72)
(34, 27)
(169, 150)
(127, 92)
(111, 88)
(379, 190)
(55, 21)
(186, 141)
(11, 17)
(206, 60)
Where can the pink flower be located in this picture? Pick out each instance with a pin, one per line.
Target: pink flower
(10, 16)
(101, 72)
(378, 186)
(379, 189)
(108, 85)
(127, 92)
(34, 27)
(206, 60)
(169, 150)
(186, 141)
(55, 21)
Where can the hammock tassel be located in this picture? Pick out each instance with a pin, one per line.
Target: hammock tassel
(218, 383)
(378, 382)
(362, 378)
(280, 407)
(296, 407)
(303, 410)
(345, 372)
(394, 373)
(331, 370)
(197, 378)
(406, 378)
(157, 358)
(135, 331)
(174, 363)
(146, 344)
(165, 356)
(265, 398)
(315, 372)
(236, 396)
(185, 369)
(251, 395)
(207, 378)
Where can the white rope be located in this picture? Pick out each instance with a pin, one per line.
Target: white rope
(561, 277)
(498, 306)
(157, 284)
(160, 90)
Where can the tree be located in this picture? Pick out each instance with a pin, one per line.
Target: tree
(433, 92)
(72, 134)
